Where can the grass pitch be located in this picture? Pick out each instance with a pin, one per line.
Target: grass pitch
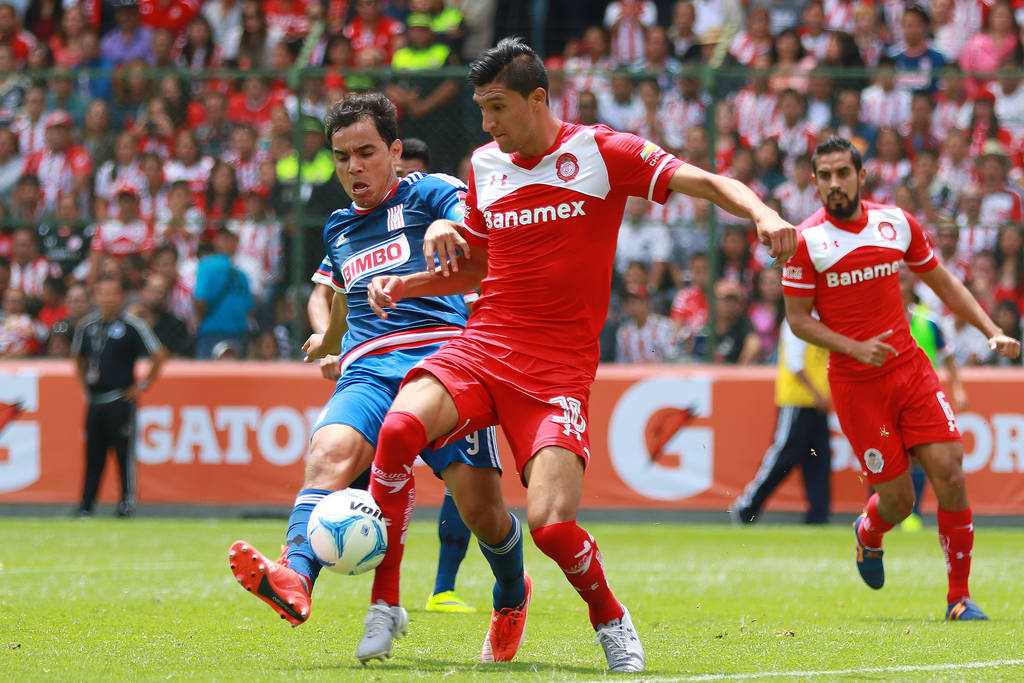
(147, 599)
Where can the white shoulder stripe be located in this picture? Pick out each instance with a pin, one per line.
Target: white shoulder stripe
(921, 263)
(478, 234)
(798, 285)
(450, 179)
(657, 174)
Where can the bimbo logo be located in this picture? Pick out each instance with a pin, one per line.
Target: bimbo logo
(852, 277)
(376, 259)
(539, 214)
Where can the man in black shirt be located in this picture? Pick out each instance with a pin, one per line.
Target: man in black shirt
(106, 346)
(152, 308)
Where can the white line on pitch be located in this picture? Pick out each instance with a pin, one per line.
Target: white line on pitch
(909, 668)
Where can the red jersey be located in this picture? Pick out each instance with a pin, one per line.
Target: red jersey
(120, 239)
(381, 35)
(56, 170)
(550, 225)
(173, 15)
(852, 269)
(286, 19)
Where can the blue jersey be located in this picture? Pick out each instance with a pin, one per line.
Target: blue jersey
(389, 240)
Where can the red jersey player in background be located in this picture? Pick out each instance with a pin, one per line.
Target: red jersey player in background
(887, 396)
(544, 206)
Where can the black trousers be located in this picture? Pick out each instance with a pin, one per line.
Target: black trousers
(109, 425)
(801, 438)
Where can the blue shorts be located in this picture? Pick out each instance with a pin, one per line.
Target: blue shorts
(365, 392)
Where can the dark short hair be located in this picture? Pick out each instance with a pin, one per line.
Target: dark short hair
(834, 143)
(166, 249)
(511, 62)
(364, 105)
(110, 278)
(414, 148)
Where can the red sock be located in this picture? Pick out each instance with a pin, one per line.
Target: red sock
(402, 436)
(956, 534)
(873, 527)
(576, 554)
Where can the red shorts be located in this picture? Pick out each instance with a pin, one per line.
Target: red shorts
(885, 417)
(489, 387)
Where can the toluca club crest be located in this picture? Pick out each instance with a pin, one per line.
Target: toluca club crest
(567, 167)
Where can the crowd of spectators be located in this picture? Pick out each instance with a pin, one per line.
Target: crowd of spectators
(190, 183)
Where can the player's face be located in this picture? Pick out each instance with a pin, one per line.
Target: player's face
(508, 116)
(365, 164)
(839, 184)
(109, 297)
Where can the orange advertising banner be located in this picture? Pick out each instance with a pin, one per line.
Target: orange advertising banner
(662, 437)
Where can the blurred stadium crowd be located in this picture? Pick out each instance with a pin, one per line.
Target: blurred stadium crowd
(168, 140)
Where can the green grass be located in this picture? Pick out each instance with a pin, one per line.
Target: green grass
(153, 599)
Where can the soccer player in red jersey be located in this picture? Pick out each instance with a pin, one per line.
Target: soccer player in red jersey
(887, 396)
(544, 206)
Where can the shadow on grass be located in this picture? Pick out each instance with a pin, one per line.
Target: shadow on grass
(422, 666)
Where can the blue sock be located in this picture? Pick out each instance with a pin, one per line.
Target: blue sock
(454, 536)
(506, 560)
(300, 553)
(917, 477)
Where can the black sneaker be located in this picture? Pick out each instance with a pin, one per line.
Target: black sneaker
(125, 510)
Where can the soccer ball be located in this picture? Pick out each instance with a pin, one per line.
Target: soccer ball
(347, 532)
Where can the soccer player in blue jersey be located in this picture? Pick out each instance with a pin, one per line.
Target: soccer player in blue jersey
(382, 232)
(452, 533)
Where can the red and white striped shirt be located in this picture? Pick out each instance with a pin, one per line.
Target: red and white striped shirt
(754, 114)
(957, 176)
(246, 170)
(745, 48)
(800, 139)
(566, 107)
(31, 136)
(839, 14)
(1002, 206)
(797, 204)
(679, 117)
(56, 170)
(197, 175)
(950, 115)
(881, 108)
(655, 342)
(586, 75)
(381, 35)
(120, 239)
(885, 176)
(259, 252)
(975, 237)
(29, 277)
(627, 44)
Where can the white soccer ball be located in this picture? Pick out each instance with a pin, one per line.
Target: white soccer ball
(347, 532)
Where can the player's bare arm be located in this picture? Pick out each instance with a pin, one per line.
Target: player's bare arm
(386, 291)
(739, 200)
(873, 351)
(318, 308)
(328, 342)
(962, 304)
(442, 246)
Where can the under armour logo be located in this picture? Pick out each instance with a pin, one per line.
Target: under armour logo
(499, 179)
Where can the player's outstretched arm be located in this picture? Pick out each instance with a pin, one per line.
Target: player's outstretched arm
(386, 291)
(329, 341)
(739, 200)
(961, 303)
(871, 352)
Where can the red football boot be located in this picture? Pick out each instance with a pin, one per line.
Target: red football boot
(508, 628)
(275, 583)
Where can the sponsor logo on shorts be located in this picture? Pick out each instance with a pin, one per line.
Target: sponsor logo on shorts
(538, 214)
(377, 259)
(873, 460)
(858, 275)
(947, 410)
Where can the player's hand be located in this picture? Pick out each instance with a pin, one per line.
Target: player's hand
(444, 241)
(874, 351)
(1004, 346)
(822, 405)
(385, 292)
(314, 348)
(778, 235)
(330, 368)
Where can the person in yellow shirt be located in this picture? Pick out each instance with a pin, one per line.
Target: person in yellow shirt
(801, 433)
